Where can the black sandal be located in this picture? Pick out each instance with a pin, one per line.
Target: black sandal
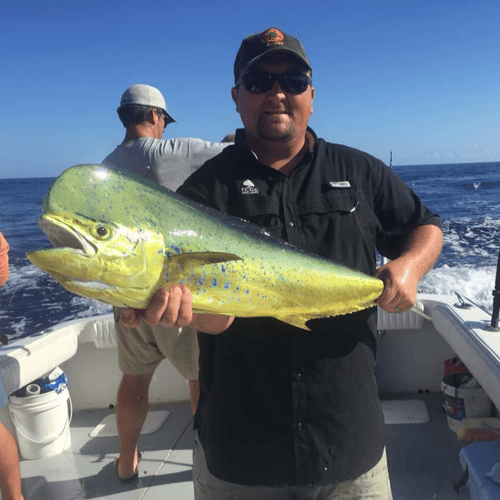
(134, 476)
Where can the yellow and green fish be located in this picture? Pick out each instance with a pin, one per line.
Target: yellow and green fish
(118, 239)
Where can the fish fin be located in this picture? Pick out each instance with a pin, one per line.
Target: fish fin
(179, 267)
(195, 259)
(297, 321)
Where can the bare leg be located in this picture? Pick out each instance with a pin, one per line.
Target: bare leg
(194, 390)
(131, 412)
(10, 475)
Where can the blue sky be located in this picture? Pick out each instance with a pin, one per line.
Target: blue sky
(420, 78)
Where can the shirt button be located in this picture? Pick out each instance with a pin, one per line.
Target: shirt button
(291, 224)
(300, 426)
(298, 377)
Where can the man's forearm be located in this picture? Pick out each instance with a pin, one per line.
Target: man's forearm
(423, 247)
(401, 275)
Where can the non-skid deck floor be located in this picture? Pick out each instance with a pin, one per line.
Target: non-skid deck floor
(423, 458)
(423, 461)
(87, 470)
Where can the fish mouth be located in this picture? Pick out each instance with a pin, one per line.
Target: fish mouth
(63, 235)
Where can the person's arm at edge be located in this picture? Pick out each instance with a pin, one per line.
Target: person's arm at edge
(4, 260)
(402, 275)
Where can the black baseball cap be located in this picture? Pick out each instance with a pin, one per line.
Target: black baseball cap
(255, 47)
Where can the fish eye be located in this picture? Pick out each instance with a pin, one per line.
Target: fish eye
(101, 231)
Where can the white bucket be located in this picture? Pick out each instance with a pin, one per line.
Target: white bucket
(459, 402)
(42, 423)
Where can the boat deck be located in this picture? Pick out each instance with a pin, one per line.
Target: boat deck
(87, 470)
(423, 460)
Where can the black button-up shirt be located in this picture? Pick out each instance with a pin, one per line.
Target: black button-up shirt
(280, 405)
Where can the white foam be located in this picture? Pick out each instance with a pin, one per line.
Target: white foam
(89, 307)
(474, 283)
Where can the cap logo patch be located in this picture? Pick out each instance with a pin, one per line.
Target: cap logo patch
(273, 36)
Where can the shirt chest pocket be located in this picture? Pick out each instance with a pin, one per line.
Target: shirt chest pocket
(254, 207)
(341, 200)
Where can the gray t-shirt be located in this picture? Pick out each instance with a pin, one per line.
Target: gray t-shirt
(167, 162)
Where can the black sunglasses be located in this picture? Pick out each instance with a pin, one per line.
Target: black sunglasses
(163, 115)
(259, 82)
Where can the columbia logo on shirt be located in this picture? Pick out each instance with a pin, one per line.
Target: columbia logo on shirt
(249, 188)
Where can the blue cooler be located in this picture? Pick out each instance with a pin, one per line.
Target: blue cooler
(480, 459)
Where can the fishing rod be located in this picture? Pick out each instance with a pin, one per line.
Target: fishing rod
(496, 301)
(496, 298)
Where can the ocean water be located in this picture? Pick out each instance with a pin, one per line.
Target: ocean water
(467, 196)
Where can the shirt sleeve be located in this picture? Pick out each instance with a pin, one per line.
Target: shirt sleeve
(205, 186)
(399, 211)
(4, 260)
(198, 151)
(173, 160)
(197, 188)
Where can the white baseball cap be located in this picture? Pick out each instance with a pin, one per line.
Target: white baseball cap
(146, 96)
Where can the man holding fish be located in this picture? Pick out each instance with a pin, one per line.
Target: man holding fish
(284, 412)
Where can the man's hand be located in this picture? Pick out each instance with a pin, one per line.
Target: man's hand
(173, 308)
(400, 286)
(401, 276)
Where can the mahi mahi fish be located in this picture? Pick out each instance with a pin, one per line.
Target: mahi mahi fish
(118, 239)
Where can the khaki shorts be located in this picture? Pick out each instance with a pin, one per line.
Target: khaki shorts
(374, 485)
(142, 349)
